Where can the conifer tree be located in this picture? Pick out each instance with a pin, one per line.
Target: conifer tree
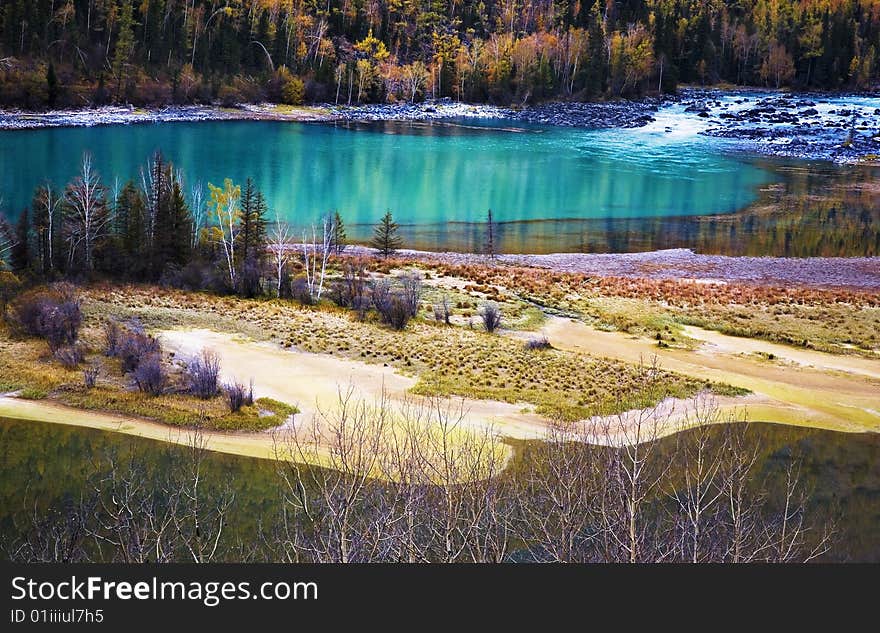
(124, 45)
(253, 224)
(21, 252)
(171, 244)
(339, 239)
(131, 230)
(51, 86)
(385, 237)
(490, 235)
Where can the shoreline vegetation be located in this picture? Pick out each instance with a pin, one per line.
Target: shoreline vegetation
(422, 406)
(101, 282)
(630, 321)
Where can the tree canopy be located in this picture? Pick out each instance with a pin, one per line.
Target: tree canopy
(163, 51)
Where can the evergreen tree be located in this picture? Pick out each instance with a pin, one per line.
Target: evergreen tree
(339, 240)
(253, 224)
(124, 45)
(21, 252)
(131, 231)
(171, 242)
(385, 237)
(51, 86)
(598, 67)
(490, 235)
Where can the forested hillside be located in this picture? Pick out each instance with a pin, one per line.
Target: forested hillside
(76, 52)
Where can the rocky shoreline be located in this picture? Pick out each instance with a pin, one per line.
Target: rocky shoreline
(839, 128)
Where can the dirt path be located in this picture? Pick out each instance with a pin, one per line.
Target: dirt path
(260, 445)
(715, 342)
(810, 389)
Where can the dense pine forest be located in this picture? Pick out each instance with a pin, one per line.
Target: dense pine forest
(58, 53)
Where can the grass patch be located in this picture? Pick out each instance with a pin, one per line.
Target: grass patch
(27, 368)
(181, 410)
(456, 361)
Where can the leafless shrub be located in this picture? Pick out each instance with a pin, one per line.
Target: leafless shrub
(353, 289)
(490, 315)
(150, 376)
(203, 374)
(299, 291)
(411, 289)
(90, 375)
(394, 306)
(538, 343)
(238, 395)
(133, 345)
(442, 311)
(52, 314)
(70, 356)
(112, 337)
(381, 294)
(398, 313)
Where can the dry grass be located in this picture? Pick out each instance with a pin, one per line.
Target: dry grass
(458, 361)
(837, 321)
(26, 367)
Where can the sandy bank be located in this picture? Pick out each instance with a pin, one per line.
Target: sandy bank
(807, 389)
(314, 382)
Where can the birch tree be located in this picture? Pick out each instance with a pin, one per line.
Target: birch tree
(279, 243)
(225, 211)
(312, 253)
(46, 205)
(197, 199)
(85, 213)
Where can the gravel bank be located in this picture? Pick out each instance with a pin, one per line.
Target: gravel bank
(861, 273)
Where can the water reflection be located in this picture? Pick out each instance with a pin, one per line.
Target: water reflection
(426, 174)
(816, 211)
(550, 189)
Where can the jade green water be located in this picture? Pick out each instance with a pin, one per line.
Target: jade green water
(42, 465)
(438, 179)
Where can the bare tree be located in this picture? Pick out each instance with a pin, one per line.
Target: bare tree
(312, 253)
(85, 212)
(200, 519)
(632, 475)
(7, 241)
(700, 491)
(46, 205)
(199, 212)
(559, 512)
(419, 482)
(442, 310)
(348, 439)
(279, 245)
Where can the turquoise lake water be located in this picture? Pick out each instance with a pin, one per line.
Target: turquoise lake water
(439, 177)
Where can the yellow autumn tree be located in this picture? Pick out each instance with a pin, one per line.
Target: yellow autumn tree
(225, 210)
